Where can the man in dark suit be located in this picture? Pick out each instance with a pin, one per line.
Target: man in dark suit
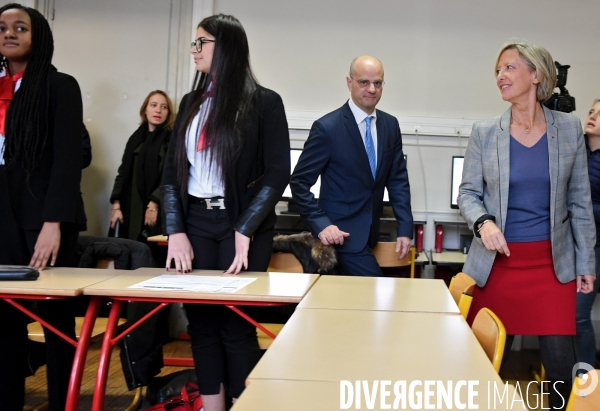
(357, 151)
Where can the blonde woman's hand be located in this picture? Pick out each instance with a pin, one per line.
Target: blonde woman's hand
(493, 239)
(242, 245)
(585, 283)
(46, 246)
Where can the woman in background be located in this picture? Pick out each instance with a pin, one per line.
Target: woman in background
(136, 193)
(41, 118)
(526, 194)
(227, 167)
(585, 342)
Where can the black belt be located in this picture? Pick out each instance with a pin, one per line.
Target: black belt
(208, 203)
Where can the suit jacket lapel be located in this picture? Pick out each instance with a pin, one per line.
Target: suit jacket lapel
(503, 141)
(552, 138)
(356, 138)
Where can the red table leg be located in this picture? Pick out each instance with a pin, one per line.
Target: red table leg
(81, 353)
(104, 360)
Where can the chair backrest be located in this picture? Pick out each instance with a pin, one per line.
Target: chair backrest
(285, 262)
(386, 256)
(461, 288)
(490, 333)
(589, 402)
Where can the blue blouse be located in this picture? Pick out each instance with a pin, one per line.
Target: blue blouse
(528, 215)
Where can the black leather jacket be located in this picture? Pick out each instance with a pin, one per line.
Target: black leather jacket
(257, 179)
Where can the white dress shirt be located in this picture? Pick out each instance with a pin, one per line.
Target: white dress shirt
(360, 117)
(204, 181)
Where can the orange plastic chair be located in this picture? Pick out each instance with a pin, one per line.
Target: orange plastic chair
(386, 256)
(491, 334)
(461, 288)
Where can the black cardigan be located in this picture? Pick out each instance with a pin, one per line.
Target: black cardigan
(254, 183)
(53, 190)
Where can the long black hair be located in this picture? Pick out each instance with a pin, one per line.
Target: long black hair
(23, 121)
(233, 86)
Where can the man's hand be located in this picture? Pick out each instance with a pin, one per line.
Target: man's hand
(402, 246)
(332, 235)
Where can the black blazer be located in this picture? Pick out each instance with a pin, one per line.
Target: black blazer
(254, 183)
(53, 190)
(350, 198)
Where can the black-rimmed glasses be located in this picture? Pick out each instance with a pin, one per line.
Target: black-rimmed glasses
(199, 42)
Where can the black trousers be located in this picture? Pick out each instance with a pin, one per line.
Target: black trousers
(16, 247)
(224, 345)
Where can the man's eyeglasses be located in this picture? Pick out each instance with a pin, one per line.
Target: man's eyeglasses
(366, 83)
(199, 42)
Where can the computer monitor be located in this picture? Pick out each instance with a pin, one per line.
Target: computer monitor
(457, 169)
(294, 157)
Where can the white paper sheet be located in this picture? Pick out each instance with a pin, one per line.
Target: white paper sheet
(197, 283)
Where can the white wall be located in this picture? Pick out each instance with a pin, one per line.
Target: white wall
(118, 51)
(438, 58)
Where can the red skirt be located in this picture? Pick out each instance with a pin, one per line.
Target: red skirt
(525, 294)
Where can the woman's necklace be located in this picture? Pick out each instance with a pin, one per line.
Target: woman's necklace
(527, 128)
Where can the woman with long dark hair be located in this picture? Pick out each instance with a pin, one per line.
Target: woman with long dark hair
(40, 169)
(227, 166)
(136, 193)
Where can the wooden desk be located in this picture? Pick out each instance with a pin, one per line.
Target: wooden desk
(334, 345)
(160, 239)
(278, 395)
(60, 282)
(57, 282)
(448, 258)
(422, 259)
(268, 289)
(380, 294)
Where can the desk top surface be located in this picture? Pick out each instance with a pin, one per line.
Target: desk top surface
(268, 287)
(277, 395)
(448, 258)
(380, 294)
(460, 222)
(59, 282)
(334, 345)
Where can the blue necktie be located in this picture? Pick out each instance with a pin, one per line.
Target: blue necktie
(370, 147)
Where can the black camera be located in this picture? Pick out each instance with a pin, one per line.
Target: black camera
(562, 101)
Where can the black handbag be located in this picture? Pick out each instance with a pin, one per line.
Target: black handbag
(18, 273)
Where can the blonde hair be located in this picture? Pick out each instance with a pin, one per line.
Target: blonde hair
(539, 60)
(170, 116)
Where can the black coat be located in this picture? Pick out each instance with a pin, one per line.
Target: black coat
(147, 172)
(254, 183)
(53, 190)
